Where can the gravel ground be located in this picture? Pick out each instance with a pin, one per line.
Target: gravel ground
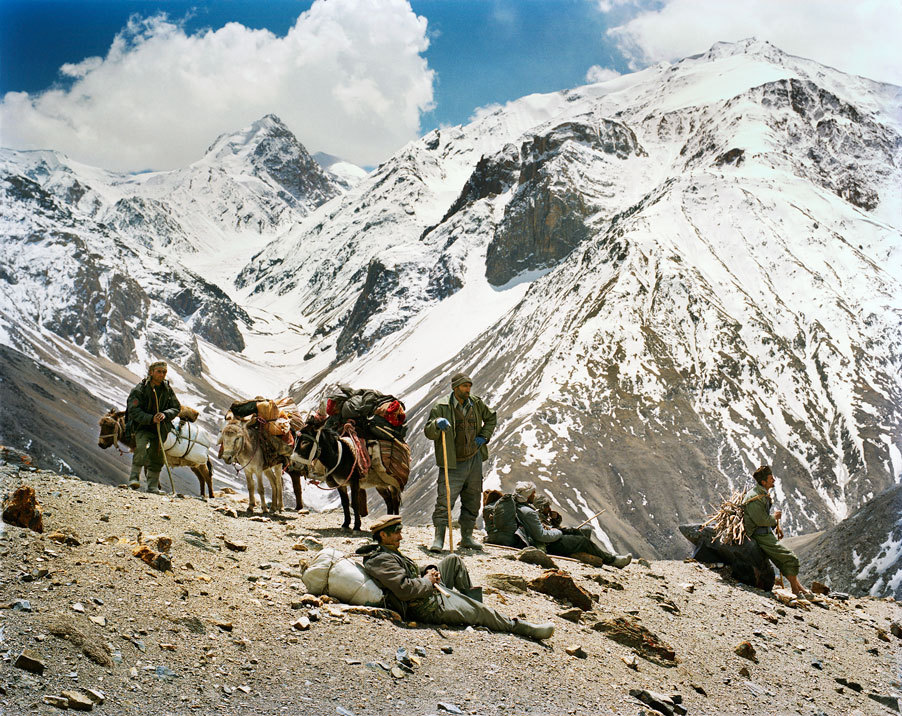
(216, 634)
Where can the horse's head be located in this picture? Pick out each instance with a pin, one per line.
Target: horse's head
(112, 426)
(232, 439)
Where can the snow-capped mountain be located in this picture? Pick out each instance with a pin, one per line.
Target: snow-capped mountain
(348, 174)
(658, 281)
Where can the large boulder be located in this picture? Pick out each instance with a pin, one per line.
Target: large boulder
(22, 509)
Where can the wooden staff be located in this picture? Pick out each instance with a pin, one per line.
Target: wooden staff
(591, 518)
(160, 438)
(448, 493)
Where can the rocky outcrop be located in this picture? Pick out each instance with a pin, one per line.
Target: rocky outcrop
(547, 216)
(379, 283)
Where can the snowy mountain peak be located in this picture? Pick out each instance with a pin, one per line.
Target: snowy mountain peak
(246, 140)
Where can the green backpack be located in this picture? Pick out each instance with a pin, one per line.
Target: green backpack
(501, 516)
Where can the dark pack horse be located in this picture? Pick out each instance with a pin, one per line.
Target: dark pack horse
(112, 432)
(320, 453)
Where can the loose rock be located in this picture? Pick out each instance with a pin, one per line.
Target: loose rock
(22, 509)
(746, 651)
(30, 660)
(560, 585)
(78, 701)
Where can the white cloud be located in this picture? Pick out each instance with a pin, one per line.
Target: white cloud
(860, 37)
(597, 73)
(349, 79)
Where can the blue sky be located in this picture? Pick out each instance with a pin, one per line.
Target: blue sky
(359, 78)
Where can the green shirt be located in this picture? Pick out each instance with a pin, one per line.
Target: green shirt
(756, 510)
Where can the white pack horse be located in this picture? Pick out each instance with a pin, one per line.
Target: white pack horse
(241, 446)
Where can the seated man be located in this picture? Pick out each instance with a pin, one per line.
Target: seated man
(560, 542)
(549, 517)
(759, 526)
(436, 595)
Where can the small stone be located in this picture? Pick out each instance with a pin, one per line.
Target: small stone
(244, 689)
(660, 702)
(352, 662)
(78, 701)
(342, 711)
(447, 650)
(882, 634)
(61, 702)
(688, 587)
(744, 672)
(302, 624)
(158, 543)
(419, 650)
(133, 672)
(397, 672)
(887, 700)
(817, 665)
(167, 647)
(896, 630)
(314, 615)
(312, 544)
(746, 650)
(78, 607)
(30, 660)
(532, 555)
(577, 652)
(225, 626)
(449, 707)
(572, 615)
(644, 562)
(99, 621)
(21, 605)
(95, 695)
(235, 545)
(854, 685)
(299, 547)
(164, 673)
(631, 661)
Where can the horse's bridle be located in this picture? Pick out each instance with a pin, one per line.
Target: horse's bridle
(114, 435)
(235, 452)
(314, 451)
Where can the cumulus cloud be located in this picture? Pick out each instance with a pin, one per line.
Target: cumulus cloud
(860, 37)
(597, 73)
(485, 111)
(349, 78)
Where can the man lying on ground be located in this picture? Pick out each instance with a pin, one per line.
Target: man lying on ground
(441, 594)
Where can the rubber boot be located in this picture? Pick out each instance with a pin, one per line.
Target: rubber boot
(153, 482)
(134, 477)
(621, 560)
(533, 631)
(438, 542)
(474, 593)
(466, 538)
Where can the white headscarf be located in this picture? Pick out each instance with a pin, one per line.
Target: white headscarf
(523, 491)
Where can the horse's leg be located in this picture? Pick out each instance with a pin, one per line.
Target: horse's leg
(345, 506)
(298, 490)
(263, 505)
(274, 475)
(392, 503)
(277, 475)
(251, 500)
(199, 474)
(209, 477)
(355, 499)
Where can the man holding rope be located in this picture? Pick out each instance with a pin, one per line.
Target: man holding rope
(151, 408)
(467, 424)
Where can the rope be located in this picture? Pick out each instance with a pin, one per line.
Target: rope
(160, 438)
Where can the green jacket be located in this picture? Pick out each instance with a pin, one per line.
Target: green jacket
(486, 422)
(400, 577)
(756, 510)
(142, 406)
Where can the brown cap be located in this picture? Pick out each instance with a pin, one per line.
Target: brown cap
(460, 379)
(762, 473)
(384, 523)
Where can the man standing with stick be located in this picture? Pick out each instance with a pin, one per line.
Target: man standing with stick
(461, 426)
(151, 408)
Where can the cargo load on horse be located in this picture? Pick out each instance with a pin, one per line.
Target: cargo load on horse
(276, 421)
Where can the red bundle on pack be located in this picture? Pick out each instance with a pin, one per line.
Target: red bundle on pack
(393, 412)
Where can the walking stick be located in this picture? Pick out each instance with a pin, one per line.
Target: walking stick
(591, 518)
(448, 493)
(160, 438)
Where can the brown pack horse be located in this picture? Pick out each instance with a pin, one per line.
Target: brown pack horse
(112, 431)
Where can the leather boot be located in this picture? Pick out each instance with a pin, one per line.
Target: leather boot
(438, 542)
(621, 560)
(134, 477)
(533, 631)
(153, 482)
(466, 538)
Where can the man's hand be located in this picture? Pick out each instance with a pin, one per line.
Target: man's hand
(159, 418)
(433, 576)
(442, 424)
(480, 441)
(778, 514)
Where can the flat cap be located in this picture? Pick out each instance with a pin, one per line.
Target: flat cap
(384, 523)
(460, 379)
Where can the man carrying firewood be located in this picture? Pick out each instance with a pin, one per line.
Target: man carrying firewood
(759, 525)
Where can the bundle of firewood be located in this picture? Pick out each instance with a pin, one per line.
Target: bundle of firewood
(727, 521)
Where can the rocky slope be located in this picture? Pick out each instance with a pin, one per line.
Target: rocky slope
(863, 553)
(217, 632)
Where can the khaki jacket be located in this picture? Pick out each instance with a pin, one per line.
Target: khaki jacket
(756, 510)
(399, 576)
(486, 422)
